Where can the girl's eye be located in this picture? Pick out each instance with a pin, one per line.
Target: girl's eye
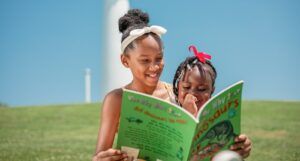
(145, 60)
(185, 87)
(201, 89)
(158, 59)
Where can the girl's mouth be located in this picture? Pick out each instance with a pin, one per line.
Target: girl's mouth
(153, 76)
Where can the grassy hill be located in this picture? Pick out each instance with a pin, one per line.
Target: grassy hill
(69, 132)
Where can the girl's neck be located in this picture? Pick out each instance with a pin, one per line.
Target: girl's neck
(139, 87)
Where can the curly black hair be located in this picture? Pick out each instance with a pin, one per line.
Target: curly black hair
(135, 19)
(191, 62)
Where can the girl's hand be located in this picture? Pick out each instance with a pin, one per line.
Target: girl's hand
(110, 155)
(189, 104)
(242, 145)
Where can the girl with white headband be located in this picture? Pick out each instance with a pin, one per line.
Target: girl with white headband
(142, 53)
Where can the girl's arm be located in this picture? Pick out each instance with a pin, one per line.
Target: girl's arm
(110, 115)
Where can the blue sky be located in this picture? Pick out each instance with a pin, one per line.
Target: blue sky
(46, 45)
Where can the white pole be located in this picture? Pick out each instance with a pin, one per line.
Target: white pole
(116, 74)
(87, 85)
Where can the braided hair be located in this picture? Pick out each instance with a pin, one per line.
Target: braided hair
(191, 62)
(135, 19)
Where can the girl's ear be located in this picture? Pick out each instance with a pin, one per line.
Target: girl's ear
(124, 60)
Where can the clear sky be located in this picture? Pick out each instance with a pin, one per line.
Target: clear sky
(46, 45)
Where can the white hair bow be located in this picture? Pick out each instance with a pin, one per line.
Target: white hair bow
(134, 34)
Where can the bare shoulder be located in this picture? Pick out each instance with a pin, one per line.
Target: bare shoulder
(112, 100)
(114, 94)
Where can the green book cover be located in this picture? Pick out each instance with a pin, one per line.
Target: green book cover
(156, 130)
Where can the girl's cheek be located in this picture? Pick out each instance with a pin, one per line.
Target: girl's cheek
(206, 97)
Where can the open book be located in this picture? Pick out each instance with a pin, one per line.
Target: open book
(152, 129)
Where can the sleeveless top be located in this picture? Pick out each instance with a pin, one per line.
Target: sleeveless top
(171, 96)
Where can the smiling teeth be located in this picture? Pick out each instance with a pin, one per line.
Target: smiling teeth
(152, 75)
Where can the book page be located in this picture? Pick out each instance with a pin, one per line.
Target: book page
(219, 123)
(158, 129)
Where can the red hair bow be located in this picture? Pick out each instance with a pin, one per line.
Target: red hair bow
(202, 56)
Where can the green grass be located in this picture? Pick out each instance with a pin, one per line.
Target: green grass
(69, 132)
(52, 133)
(274, 128)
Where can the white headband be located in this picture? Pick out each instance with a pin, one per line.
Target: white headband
(158, 30)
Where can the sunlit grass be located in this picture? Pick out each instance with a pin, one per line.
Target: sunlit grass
(69, 132)
(57, 133)
(274, 130)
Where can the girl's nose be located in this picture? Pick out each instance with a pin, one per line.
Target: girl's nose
(193, 92)
(196, 93)
(154, 67)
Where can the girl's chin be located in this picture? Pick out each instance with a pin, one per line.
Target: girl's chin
(152, 83)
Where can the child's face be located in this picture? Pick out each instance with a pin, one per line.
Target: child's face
(193, 83)
(146, 61)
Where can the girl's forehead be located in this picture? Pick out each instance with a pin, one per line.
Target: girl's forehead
(148, 43)
(195, 75)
